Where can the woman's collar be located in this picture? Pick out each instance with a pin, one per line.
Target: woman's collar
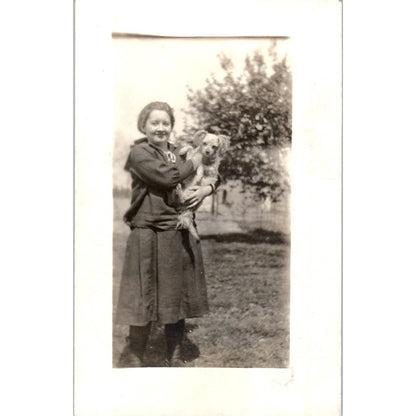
(171, 147)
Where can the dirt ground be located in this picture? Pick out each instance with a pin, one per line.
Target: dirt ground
(247, 273)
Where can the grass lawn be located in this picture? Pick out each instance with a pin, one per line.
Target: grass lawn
(248, 290)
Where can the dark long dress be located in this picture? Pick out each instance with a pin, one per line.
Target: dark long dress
(163, 276)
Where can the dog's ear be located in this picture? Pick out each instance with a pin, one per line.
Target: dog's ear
(224, 142)
(198, 137)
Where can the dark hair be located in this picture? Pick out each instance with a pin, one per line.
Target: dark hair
(156, 105)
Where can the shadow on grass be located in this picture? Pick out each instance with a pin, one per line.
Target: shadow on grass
(251, 237)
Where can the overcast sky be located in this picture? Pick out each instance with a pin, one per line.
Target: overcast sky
(151, 69)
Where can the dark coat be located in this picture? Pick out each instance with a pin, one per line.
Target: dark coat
(163, 275)
(154, 179)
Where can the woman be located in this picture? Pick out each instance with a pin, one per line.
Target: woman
(163, 278)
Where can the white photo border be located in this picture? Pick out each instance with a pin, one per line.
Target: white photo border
(312, 384)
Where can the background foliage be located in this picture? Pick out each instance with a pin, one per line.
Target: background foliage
(255, 110)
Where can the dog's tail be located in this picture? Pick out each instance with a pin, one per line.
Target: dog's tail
(186, 221)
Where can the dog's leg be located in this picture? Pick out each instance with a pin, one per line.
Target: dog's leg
(198, 176)
(180, 193)
(186, 222)
(194, 233)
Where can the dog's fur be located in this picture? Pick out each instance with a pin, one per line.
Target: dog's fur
(212, 147)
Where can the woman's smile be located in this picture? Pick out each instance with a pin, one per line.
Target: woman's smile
(158, 128)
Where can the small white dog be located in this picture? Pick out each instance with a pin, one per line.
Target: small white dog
(212, 148)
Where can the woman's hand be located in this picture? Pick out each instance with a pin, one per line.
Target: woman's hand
(196, 194)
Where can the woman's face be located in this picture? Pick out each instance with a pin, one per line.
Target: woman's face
(158, 128)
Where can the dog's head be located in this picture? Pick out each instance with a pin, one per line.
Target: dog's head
(211, 145)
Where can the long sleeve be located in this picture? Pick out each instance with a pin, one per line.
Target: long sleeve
(151, 168)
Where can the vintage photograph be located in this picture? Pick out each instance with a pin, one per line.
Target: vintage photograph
(208, 220)
(201, 201)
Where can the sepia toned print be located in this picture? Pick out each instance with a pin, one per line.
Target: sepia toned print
(241, 89)
(253, 352)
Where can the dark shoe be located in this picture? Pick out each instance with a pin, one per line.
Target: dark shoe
(176, 360)
(189, 350)
(129, 358)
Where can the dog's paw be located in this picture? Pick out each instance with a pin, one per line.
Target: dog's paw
(185, 149)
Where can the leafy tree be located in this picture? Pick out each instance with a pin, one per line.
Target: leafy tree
(254, 109)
